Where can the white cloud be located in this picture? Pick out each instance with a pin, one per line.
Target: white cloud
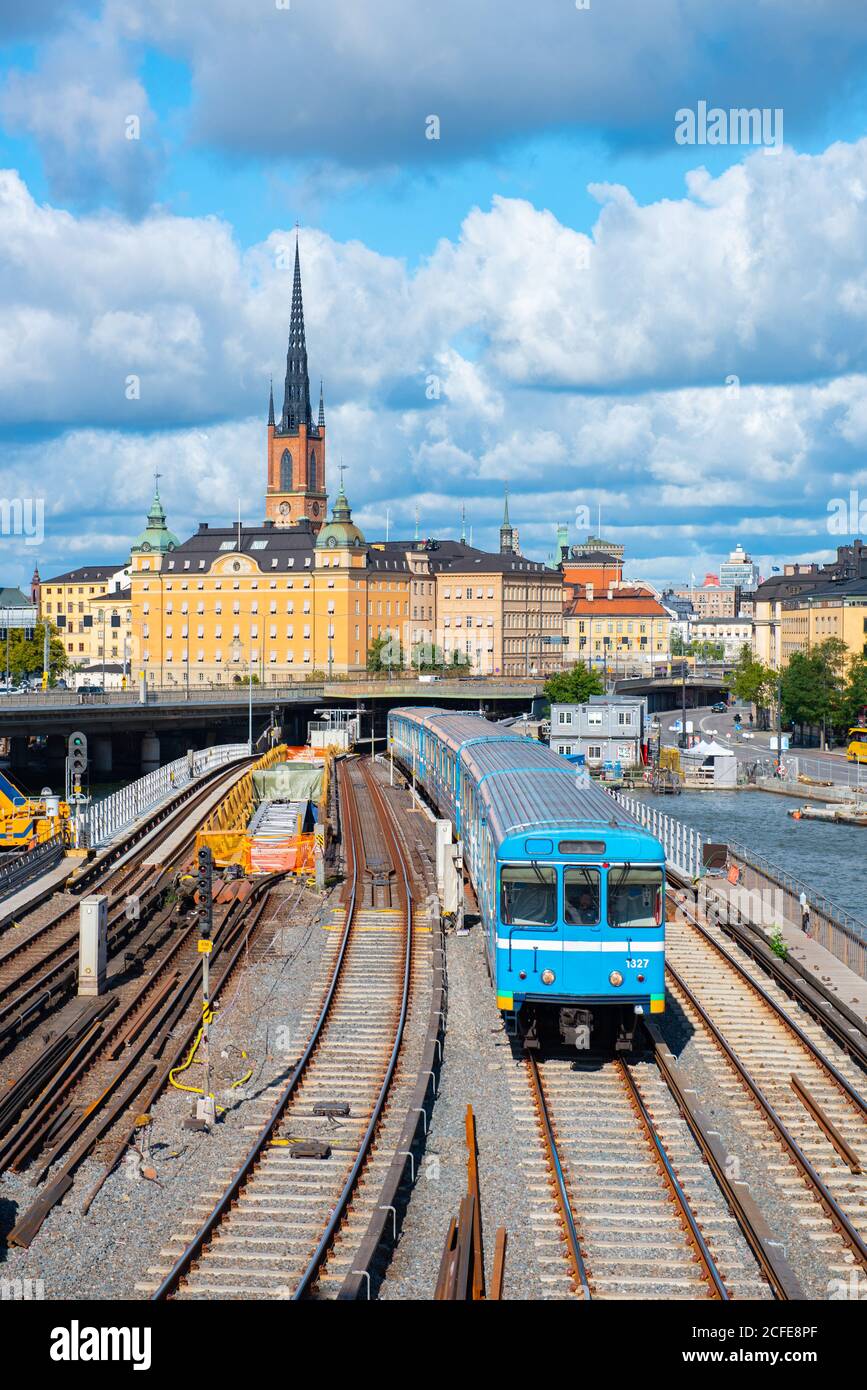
(90, 116)
(581, 385)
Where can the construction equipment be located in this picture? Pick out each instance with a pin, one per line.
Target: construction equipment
(26, 821)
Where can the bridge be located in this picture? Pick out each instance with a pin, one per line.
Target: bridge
(666, 692)
(140, 730)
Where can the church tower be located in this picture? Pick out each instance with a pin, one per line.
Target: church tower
(508, 534)
(296, 443)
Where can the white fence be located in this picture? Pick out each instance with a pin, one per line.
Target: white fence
(103, 820)
(682, 844)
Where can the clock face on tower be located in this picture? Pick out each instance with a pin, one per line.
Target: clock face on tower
(284, 509)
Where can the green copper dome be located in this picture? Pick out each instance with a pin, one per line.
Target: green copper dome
(156, 535)
(341, 529)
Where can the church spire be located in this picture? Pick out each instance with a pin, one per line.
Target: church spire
(271, 404)
(321, 405)
(507, 531)
(296, 398)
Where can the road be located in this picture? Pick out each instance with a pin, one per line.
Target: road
(754, 744)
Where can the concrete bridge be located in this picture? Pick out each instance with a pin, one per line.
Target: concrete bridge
(136, 731)
(666, 692)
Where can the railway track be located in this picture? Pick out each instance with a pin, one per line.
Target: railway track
(39, 967)
(288, 1219)
(636, 1212)
(798, 1082)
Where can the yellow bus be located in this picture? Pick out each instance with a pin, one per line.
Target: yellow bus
(856, 747)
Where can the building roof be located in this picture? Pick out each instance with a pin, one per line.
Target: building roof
(341, 530)
(459, 558)
(717, 620)
(87, 574)
(851, 588)
(13, 598)
(621, 605)
(156, 535)
(119, 596)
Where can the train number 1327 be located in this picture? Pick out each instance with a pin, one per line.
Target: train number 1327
(636, 963)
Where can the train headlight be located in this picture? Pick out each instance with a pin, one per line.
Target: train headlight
(615, 978)
(548, 977)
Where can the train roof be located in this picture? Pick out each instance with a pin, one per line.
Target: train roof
(521, 782)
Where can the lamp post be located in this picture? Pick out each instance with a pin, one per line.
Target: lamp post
(237, 653)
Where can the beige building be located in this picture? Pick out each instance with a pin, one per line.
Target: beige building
(833, 611)
(732, 634)
(618, 628)
(91, 609)
(710, 600)
(768, 603)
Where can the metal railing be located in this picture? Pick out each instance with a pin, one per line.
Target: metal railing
(841, 933)
(25, 867)
(103, 820)
(682, 844)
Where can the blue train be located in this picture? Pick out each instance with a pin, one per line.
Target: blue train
(570, 888)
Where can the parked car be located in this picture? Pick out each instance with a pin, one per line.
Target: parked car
(61, 685)
(90, 690)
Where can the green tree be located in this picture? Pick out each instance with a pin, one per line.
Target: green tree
(707, 651)
(754, 682)
(25, 654)
(802, 694)
(573, 687)
(855, 694)
(677, 645)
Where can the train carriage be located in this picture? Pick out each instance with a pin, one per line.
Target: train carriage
(571, 889)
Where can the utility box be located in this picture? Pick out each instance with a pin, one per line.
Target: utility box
(92, 944)
(443, 842)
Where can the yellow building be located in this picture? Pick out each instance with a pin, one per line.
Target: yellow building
(620, 627)
(300, 595)
(833, 611)
(91, 609)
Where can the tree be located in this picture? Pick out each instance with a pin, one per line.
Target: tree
(573, 687)
(25, 654)
(802, 694)
(855, 694)
(754, 682)
(707, 651)
(377, 655)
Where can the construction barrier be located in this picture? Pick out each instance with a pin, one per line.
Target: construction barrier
(228, 832)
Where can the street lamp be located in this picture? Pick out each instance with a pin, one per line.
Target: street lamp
(237, 653)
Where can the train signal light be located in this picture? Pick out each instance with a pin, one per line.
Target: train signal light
(77, 749)
(204, 891)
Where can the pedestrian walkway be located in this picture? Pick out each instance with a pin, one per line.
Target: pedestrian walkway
(831, 972)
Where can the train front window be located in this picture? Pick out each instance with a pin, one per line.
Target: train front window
(528, 895)
(635, 896)
(581, 896)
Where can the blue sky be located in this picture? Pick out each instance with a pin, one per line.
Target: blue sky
(673, 333)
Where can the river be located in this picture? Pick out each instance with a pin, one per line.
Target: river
(828, 858)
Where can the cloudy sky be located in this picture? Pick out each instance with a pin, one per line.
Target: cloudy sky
(554, 295)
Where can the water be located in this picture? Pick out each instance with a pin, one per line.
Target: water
(828, 858)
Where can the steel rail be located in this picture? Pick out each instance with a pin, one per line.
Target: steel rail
(355, 852)
(60, 960)
(837, 1019)
(198, 1242)
(346, 1193)
(829, 1203)
(767, 1250)
(696, 1239)
(573, 1245)
(815, 1052)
